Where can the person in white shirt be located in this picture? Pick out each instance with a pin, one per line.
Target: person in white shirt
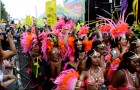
(6, 54)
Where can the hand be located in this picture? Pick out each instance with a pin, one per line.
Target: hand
(3, 86)
(11, 77)
(128, 45)
(9, 35)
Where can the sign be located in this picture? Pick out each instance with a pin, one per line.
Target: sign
(76, 8)
(29, 21)
(51, 12)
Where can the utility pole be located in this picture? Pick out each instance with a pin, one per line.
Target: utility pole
(36, 11)
(112, 8)
(0, 9)
(88, 10)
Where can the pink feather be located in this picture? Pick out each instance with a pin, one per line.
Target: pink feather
(69, 24)
(23, 42)
(35, 40)
(71, 82)
(83, 31)
(59, 24)
(42, 35)
(44, 49)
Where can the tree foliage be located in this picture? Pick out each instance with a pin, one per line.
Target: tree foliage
(4, 13)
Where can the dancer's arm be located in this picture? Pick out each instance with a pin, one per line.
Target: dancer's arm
(80, 80)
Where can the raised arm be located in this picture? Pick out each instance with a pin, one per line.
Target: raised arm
(9, 53)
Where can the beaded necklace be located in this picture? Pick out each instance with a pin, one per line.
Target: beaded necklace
(133, 76)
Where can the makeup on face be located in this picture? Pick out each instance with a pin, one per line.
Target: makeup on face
(135, 61)
(95, 57)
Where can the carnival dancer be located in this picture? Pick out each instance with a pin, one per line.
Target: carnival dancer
(76, 53)
(93, 78)
(79, 47)
(100, 47)
(126, 77)
(53, 50)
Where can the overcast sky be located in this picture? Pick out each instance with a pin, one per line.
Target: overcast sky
(21, 8)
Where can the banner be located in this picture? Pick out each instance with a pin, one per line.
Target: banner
(28, 21)
(51, 12)
(76, 9)
(1, 21)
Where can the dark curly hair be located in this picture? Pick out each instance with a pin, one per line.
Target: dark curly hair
(125, 60)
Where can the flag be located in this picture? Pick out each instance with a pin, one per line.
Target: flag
(36, 67)
(51, 12)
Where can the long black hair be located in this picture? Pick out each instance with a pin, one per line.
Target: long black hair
(125, 60)
(89, 60)
(76, 49)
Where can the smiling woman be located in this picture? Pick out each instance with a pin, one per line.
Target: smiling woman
(126, 77)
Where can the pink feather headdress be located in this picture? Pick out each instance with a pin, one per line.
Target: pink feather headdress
(83, 31)
(42, 35)
(26, 41)
(105, 28)
(67, 80)
(47, 46)
(118, 29)
(59, 25)
(68, 25)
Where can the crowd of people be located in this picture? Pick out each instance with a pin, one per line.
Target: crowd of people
(73, 56)
(69, 57)
(7, 51)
